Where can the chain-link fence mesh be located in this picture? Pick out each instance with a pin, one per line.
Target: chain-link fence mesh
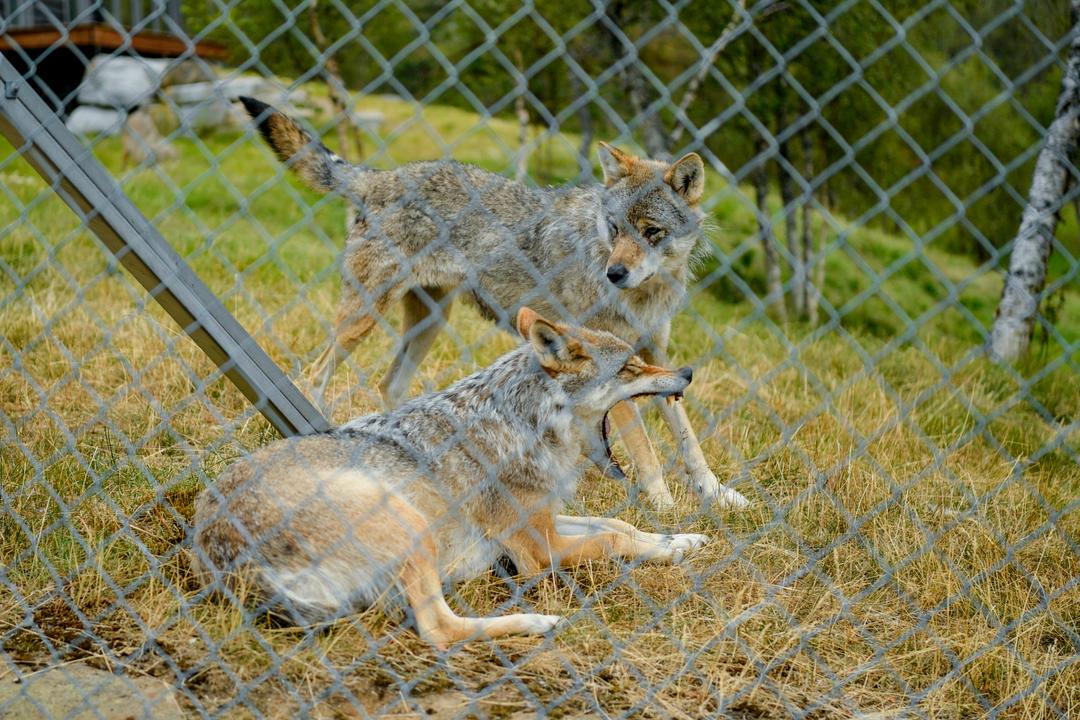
(830, 270)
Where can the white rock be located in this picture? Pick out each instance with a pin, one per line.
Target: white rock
(370, 120)
(227, 90)
(80, 692)
(184, 72)
(121, 82)
(191, 93)
(210, 113)
(255, 87)
(87, 119)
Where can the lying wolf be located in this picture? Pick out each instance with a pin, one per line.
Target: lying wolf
(613, 258)
(437, 490)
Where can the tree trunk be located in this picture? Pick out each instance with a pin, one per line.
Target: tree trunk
(694, 85)
(521, 161)
(635, 84)
(339, 96)
(1024, 283)
(585, 168)
(819, 277)
(774, 287)
(587, 130)
(807, 258)
(787, 199)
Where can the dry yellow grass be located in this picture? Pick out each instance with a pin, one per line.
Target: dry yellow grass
(893, 562)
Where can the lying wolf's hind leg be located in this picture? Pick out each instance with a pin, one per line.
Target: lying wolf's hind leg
(425, 312)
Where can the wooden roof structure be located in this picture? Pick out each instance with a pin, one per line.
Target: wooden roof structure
(93, 38)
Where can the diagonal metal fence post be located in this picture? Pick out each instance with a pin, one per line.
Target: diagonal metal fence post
(76, 175)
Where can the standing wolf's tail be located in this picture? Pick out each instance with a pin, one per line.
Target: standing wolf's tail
(310, 159)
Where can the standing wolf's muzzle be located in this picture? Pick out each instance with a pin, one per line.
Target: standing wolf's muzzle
(617, 275)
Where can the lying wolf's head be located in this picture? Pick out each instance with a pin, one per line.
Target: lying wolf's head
(597, 371)
(649, 215)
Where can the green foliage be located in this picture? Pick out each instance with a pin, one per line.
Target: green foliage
(934, 104)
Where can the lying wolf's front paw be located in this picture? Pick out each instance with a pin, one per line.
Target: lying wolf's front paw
(679, 545)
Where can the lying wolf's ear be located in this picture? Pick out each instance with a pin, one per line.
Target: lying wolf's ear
(615, 162)
(549, 344)
(525, 318)
(686, 176)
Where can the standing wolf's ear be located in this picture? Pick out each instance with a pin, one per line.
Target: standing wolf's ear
(547, 341)
(615, 163)
(686, 176)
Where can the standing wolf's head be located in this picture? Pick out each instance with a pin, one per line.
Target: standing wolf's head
(597, 371)
(650, 214)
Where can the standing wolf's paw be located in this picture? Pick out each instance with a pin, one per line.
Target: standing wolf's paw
(729, 498)
(654, 486)
(704, 483)
(536, 624)
(678, 546)
(711, 491)
(662, 500)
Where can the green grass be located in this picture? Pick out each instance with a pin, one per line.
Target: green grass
(900, 481)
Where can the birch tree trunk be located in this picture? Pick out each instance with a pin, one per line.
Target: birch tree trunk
(694, 85)
(814, 301)
(585, 171)
(585, 121)
(773, 285)
(635, 84)
(806, 248)
(339, 96)
(1024, 283)
(521, 161)
(787, 199)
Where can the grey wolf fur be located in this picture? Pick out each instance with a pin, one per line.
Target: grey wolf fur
(613, 257)
(436, 490)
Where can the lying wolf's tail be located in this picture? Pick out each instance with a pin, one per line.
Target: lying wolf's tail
(310, 159)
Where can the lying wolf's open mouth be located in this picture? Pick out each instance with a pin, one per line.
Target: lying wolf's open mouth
(606, 461)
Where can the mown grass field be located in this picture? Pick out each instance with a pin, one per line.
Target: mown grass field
(911, 544)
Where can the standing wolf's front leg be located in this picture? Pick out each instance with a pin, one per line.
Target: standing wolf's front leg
(647, 471)
(697, 467)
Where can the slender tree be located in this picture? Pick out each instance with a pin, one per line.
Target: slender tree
(810, 285)
(773, 285)
(694, 86)
(622, 15)
(339, 95)
(1024, 283)
(785, 168)
(521, 160)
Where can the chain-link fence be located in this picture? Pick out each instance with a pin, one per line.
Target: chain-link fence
(851, 511)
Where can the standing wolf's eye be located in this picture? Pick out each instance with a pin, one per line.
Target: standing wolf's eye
(653, 234)
(612, 229)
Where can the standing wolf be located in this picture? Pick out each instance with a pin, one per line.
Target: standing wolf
(614, 258)
(436, 490)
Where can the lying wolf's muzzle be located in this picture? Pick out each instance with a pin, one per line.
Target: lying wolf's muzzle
(600, 450)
